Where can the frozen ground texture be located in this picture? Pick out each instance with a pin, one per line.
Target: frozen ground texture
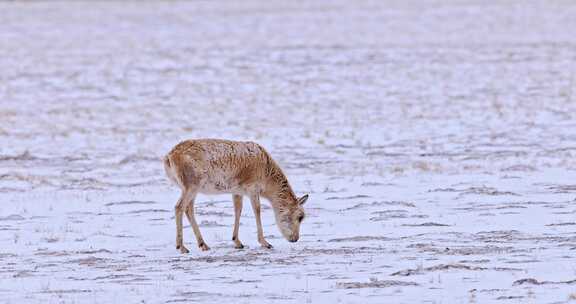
(436, 139)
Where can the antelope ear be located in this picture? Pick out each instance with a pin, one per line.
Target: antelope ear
(303, 199)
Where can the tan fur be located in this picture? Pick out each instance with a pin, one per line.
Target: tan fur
(215, 166)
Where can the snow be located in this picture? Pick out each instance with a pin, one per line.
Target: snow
(434, 137)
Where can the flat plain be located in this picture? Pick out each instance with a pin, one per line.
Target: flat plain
(436, 140)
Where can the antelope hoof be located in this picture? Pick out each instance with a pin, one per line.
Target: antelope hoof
(183, 249)
(239, 246)
(266, 245)
(203, 246)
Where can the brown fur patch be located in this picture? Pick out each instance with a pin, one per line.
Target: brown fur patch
(246, 176)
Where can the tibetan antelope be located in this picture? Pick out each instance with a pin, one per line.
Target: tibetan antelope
(214, 166)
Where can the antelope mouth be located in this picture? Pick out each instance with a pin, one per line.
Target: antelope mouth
(293, 240)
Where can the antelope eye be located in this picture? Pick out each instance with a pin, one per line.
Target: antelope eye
(301, 218)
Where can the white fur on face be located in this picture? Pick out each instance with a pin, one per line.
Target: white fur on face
(284, 222)
(288, 223)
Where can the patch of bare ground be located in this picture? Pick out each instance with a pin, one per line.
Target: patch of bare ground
(246, 258)
(12, 217)
(206, 223)
(11, 189)
(499, 236)
(482, 190)
(519, 168)
(375, 184)
(374, 283)
(191, 296)
(23, 274)
(481, 261)
(93, 251)
(562, 224)
(347, 197)
(464, 250)
(213, 213)
(509, 297)
(486, 191)
(123, 203)
(523, 261)
(148, 211)
(340, 251)
(244, 281)
(361, 239)
(444, 190)
(507, 205)
(52, 253)
(394, 214)
(62, 291)
(445, 267)
(531, 281)
(381, 203)
(563, 188)
(118, 276)
(506, 236)
(89, 261)
(427, 224)
(22, 156)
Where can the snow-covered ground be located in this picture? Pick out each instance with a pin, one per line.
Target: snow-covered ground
(437, 140)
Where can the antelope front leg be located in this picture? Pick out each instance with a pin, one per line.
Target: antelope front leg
(192, 220)
(178, 209)
(237, 212)
(255, 200)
